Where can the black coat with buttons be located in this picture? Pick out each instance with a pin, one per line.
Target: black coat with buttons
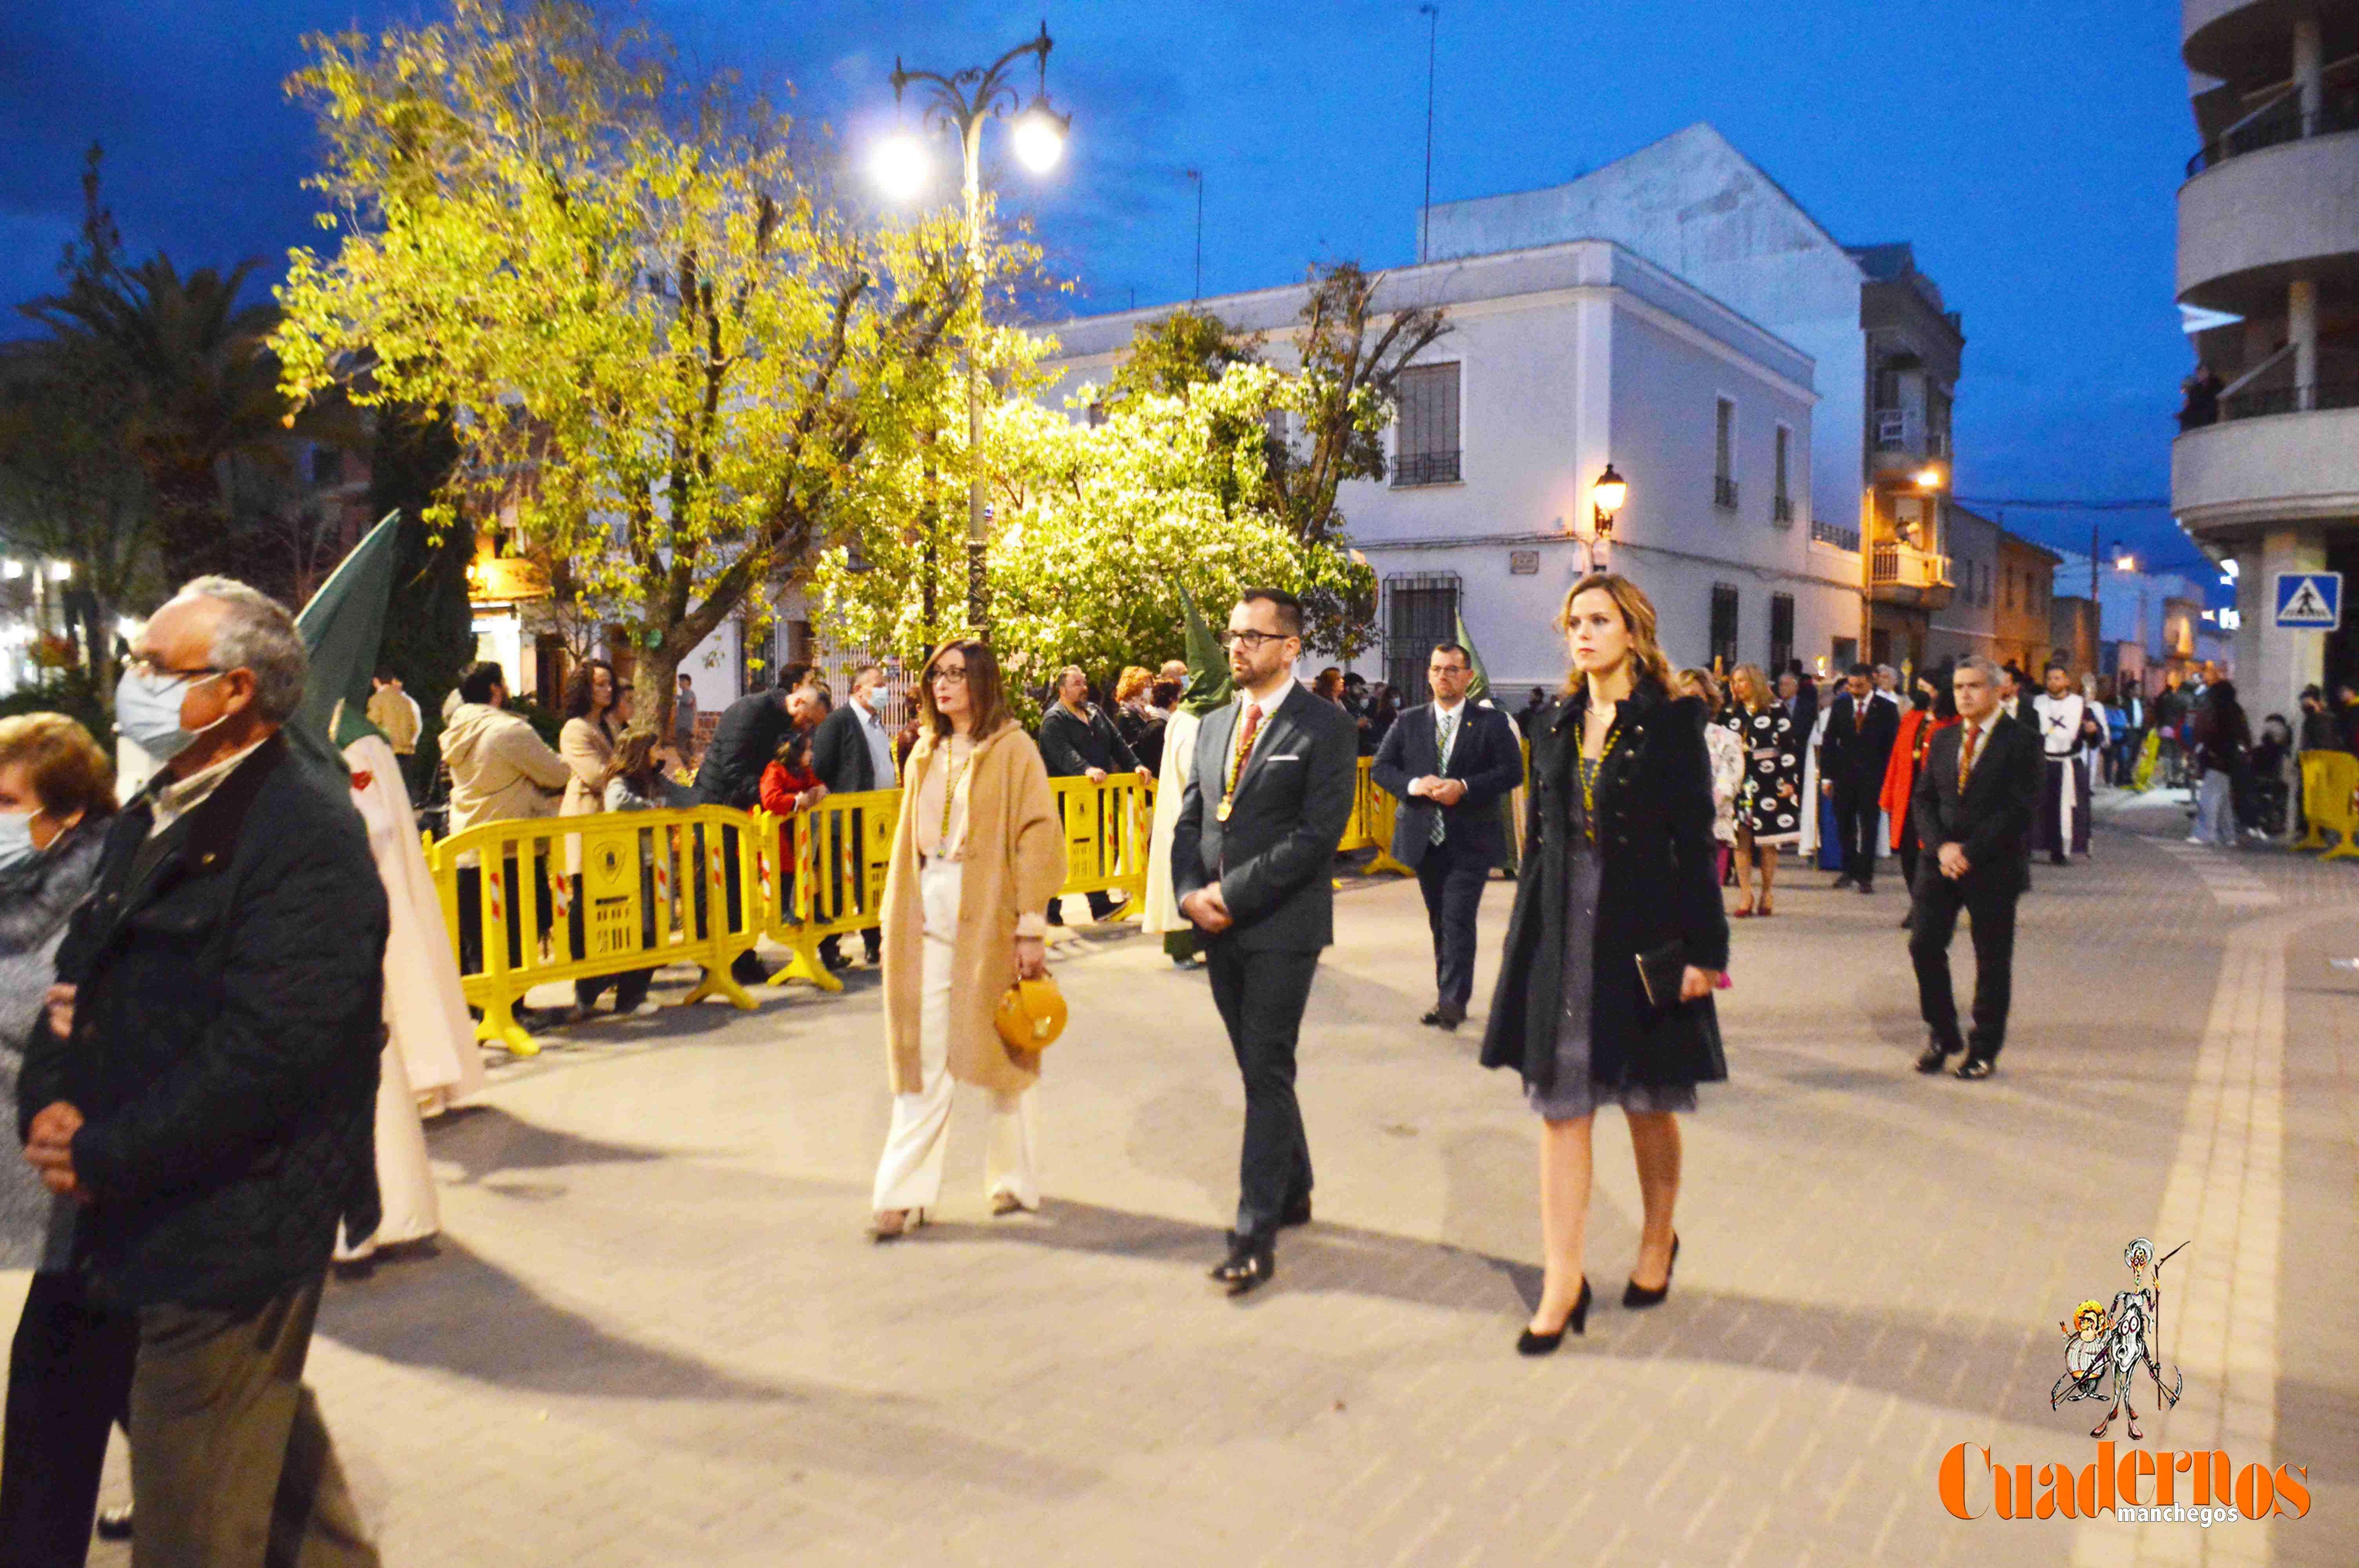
(225, 1040)
(1660, 885)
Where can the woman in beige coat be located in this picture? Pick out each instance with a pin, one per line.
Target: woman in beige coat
(977, 855)
(587, 740)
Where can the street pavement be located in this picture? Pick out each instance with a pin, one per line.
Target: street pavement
(656, 1332)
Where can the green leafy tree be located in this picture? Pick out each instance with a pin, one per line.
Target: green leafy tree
(672, 368)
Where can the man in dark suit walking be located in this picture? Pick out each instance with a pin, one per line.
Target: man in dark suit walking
(1252, 860)
(1450, 762)
(1079, 742)
(1860, 732)
(1974, 804)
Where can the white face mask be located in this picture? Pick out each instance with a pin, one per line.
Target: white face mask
(147, 711)
(16, 845)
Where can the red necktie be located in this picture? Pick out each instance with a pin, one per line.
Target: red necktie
(1966, 754)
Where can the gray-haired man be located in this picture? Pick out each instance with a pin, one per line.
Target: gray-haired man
(204, 1085)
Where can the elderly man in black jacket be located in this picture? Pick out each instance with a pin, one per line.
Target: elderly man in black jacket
(206, 1083)
(1079, 742)
(1976, 796)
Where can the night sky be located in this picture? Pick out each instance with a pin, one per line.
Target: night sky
(2030, 148)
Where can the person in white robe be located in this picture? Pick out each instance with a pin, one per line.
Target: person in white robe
(2056, 714)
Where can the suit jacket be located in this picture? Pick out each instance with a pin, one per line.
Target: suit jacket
(1992, 818)
(1857, 749)
(1274, 857)
(1073, 745)
(742, 743)
(840, 757)
(225, 1039)
(1487, 755)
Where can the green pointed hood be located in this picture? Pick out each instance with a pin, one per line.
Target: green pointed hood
(342, 627)
(1479, 689)
(1208, 686)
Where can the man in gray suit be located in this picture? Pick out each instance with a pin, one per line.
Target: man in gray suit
(1251, 862)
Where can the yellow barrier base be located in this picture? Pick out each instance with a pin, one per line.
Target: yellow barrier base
(803, 964)
(499, 1027)
(719, 981)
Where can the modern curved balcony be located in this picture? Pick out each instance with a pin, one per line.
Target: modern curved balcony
(2249, 43)
(2276, 468)
(2251, 223)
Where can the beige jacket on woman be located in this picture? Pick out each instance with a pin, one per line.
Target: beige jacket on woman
(587, 749)
(1003, 828)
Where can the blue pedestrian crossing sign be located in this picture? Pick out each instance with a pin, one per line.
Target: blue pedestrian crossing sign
(2309, 601)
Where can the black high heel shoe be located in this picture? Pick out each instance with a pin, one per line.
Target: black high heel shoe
(1530, 1344)
(1252, 1261)
(1636, 1295)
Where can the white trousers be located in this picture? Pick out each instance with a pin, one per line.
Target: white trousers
(2215, 811)
(910, 1173)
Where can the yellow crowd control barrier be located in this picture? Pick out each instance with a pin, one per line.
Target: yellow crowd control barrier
(2329, 779)
(820, 873)
(652, 888)
(1371, 828)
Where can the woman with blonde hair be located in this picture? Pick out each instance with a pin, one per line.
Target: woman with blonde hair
(1770, 807)
(977, 855)
(1617, 939)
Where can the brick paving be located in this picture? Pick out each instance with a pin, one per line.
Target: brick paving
(654, 1333)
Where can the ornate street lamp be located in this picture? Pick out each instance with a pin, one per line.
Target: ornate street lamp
(962, 101)
(1606, 495)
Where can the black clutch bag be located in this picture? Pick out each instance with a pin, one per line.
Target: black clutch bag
(1661, 970)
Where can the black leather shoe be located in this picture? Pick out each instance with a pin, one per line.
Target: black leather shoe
(1635, 1296)
(1297, 1213)
(1844, 881)
(1974, 1069)
(1908, 921)
(1251, 1264)
(1530, 1344)
(114, 1524)
(1431, 1017)
(1934, 1058)
(2058, 861)
(1867, 887)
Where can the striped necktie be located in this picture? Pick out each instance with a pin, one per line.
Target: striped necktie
(1447, 731)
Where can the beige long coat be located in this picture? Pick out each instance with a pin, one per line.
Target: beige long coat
(1003, 826)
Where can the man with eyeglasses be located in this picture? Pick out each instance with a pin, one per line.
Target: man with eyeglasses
(1251, 857)
(203, 1085)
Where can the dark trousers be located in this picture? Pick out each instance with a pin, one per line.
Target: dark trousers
(1857, 811)
(1451, 881)
(1908, 851)
(471, 917)
(69, 1380)
(229, 1461)
(1261, 996)
(1938, 899)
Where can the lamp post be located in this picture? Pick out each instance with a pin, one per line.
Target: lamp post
(963, 101)
(1606, 498)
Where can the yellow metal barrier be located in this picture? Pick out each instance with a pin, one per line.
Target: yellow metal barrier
(655, 888)
(820, 873)
(2329, 779)
(1371, 828)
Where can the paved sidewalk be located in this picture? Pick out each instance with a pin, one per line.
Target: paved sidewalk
(656, 1335)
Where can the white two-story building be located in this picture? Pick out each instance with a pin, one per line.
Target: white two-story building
(1563, 360)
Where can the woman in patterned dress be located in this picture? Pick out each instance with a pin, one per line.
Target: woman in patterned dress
(1769, 808)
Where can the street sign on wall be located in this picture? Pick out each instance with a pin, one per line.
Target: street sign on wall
(2309, 601)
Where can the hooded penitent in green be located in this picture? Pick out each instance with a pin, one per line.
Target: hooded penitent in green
(1479, 690)
(342, 629)
(1208, 686)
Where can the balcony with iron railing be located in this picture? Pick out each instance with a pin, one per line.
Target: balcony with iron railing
(1782, 509)
(1825, 533)
(1724, 491)
(1413, 469)
(1907, 575)
(2276, 125)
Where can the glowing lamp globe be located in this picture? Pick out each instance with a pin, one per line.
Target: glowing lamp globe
(900, 167)
(1611, 491)
(1039, 140)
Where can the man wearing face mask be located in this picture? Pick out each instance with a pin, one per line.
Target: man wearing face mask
(203, 1086)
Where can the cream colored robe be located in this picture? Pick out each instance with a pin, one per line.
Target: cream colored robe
(1004, 827)
(1161, 913)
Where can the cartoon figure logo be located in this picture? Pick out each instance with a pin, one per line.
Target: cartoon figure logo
(2111, 1342)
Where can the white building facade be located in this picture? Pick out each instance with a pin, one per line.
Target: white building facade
(2268, 250)
(1560, 359)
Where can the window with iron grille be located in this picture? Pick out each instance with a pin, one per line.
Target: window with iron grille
(1782, 630)
(1723, 624)
(1781, 504)
(1425, 437)
(1419, 612)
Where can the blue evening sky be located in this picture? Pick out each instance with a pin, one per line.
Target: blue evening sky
(2030, 148)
